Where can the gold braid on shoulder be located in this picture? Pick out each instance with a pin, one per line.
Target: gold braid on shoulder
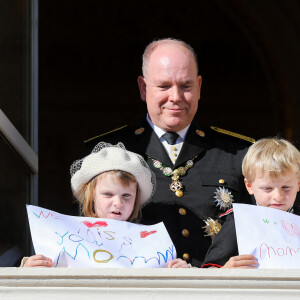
(95, 137)
(237, 135)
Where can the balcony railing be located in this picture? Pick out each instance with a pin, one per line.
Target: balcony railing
(142, 284)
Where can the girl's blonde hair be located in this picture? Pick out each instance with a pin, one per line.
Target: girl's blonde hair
(275, 156)
(86, 194)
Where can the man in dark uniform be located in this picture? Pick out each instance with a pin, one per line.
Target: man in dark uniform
(198, 171)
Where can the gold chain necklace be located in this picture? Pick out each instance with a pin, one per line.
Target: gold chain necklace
(176, 185)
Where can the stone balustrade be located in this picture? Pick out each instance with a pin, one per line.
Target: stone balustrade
(142, 284)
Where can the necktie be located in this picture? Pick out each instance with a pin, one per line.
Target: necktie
(170, 137)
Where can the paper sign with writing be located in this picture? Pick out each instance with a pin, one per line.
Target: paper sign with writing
(271, 235)
(93, 242)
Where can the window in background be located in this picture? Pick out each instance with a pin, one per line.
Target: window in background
(18, 126)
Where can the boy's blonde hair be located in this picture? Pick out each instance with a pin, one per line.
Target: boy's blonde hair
(86, 193)
(275, 156)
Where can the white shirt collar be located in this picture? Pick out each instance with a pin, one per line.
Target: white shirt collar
(159, 132)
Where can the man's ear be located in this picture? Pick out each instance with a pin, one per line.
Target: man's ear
(199, 84)
(248, 186)
(142, 86)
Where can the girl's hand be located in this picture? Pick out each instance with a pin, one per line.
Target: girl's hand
(246, 261)
(178, 263)
(38, 261)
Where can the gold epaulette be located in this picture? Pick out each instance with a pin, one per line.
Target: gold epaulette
(237, 135)
(95, 137)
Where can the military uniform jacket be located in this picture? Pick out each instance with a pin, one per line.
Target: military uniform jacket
(217, 159)
(225, 244)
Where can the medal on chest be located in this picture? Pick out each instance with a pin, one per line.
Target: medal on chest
(223, 198)
(212, 227)
(176, 185)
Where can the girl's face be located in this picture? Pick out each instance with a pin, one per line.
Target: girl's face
(112, 199)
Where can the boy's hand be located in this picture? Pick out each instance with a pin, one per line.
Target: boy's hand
(178, 263)
(246, 261)
(38, 261)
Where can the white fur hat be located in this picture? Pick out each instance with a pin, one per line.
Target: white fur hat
(106, 157)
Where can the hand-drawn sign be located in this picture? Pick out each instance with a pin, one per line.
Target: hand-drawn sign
(271, 235)
(91, 242)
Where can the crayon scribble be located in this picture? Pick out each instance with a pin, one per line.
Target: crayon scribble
(103, 260)
(290, 229)
(77, 238)
(93, 239)
(96, 224)
(62, 237)
(49, 214)
(146, 233)
(169, 252)
(269, 251)
(110, 234)
(128, 240)
(63, 250)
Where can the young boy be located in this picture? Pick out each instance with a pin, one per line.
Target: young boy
(271, 169)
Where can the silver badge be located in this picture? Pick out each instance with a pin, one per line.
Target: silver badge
(223, 198)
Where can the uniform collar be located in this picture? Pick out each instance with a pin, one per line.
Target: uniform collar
(159, 132)
(149, 143)
(192, 146)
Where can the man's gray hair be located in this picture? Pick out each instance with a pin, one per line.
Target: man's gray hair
(156, 43)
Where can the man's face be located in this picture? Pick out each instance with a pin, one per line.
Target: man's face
(171, 88)
(280, 193)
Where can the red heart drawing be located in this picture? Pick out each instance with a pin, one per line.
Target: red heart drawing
(146, 233)
(296, 229)
(291, 229)
(96, 224)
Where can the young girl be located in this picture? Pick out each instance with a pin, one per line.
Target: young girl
(110, 183)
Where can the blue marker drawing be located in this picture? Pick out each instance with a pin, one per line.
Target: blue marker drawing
(62, 237)
(128, 240)
(165, 257)
(63, 250)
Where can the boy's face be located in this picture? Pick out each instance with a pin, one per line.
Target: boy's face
(280, 193)
(113, 200)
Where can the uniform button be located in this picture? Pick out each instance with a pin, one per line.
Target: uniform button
(175, 154)
(221, 181)
(200, 132)
(186, 256)
(174, 148)
(182, 211)
(185, 232)
(179, 193)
